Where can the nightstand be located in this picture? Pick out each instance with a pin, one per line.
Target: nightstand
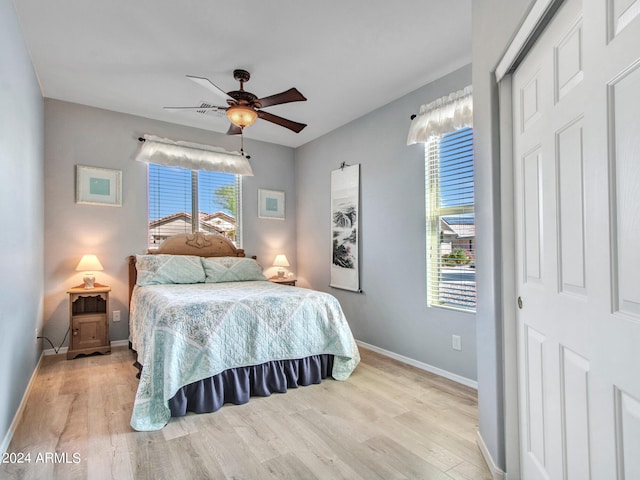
(89, 320)
(283, 281)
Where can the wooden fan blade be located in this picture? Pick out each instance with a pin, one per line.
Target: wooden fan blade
(234, 130)
(291, 95)
(283, 122)
(209, 85)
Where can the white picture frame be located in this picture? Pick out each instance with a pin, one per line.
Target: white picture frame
(98, 186)
(270, 204)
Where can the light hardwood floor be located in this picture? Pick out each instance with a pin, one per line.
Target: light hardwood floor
(388, 421)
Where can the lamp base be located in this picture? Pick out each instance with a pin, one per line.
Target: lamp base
(280, 273)
(89, 281)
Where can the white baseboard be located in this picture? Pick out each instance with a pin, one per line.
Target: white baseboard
(23, 403)
(63, 350)
(421, 365)
(496, 473)
(51, 351)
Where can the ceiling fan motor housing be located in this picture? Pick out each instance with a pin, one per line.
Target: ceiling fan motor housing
(242, 97)
(241, 75)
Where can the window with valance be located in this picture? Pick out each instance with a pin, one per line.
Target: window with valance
(445, 128)
(192, 187)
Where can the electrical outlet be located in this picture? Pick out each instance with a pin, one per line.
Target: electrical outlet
(456, 342)
(116, 315)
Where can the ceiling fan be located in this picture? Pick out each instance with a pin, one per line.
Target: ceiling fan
(244, 107)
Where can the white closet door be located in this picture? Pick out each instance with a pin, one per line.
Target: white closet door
(576, 101)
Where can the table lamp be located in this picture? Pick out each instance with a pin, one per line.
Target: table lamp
(89, 264)
(281, 261)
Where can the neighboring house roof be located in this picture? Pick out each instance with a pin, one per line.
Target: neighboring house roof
(457, 230)
(218, 215)
(445, 228)
(464, 231)
(170, 218)
(217, 221)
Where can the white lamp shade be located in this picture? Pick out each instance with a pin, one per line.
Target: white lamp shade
(89, 263)
(281, 261)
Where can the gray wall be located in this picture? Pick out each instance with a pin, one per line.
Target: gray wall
(494, 23)
(392, 312)
(77, 134)
(21, 209)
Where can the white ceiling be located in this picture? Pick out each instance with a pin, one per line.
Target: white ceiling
(348, 57)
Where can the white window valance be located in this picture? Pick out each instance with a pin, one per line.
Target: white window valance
(446, 114)
(192, 156)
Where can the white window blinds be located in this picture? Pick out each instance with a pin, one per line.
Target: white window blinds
(451, 278)
(186, 201)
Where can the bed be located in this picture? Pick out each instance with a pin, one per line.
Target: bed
(208, 329)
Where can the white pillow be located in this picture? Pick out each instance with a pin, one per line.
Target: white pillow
(163, 269)
(231, 269)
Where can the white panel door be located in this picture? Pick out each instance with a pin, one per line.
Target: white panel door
(576, 114)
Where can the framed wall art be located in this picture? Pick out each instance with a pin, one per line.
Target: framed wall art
(98, 186)
(345, 233)
(270, 204)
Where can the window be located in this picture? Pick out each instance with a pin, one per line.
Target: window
(451, 276)
(175, 194)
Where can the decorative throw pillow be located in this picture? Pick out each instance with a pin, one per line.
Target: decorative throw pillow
(231, 269)
(163, 269)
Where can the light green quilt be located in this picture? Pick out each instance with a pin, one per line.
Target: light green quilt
(185, 333)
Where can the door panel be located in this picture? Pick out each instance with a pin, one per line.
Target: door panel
(624, 124)
(575, 414)
(534, 372)
(532, 197)
(621, 13)
(628, 435)
(568, 60)
(571, 212)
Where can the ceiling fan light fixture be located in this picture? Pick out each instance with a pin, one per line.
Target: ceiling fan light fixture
(241, 116)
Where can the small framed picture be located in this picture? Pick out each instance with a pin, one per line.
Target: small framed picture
(270, 204)
(98, 186)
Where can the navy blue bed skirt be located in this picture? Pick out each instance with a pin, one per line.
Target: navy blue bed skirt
(238, 384)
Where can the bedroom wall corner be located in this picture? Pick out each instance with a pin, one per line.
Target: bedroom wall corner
(82, 135)
(392, 312)
(22, 211)
(491, 36)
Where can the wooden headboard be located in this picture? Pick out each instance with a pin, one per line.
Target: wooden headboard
(199, 244)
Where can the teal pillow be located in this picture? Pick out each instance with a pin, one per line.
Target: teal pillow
(231, 269)
(167, 269)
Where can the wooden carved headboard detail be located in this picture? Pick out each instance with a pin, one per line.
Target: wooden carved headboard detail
(199, 244)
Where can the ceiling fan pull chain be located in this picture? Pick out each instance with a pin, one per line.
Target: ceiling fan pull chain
(242, 144)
